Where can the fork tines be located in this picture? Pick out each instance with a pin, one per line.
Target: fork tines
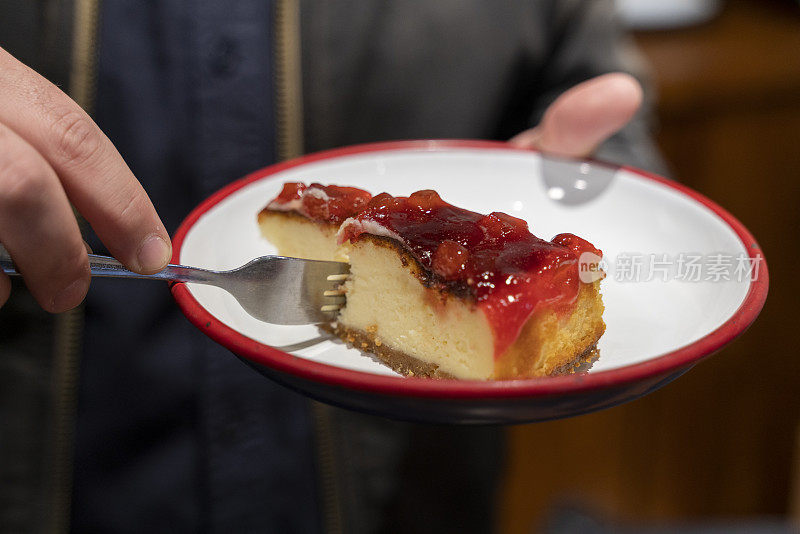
(338, 293)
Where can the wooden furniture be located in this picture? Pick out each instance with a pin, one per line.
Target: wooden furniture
(718, 442)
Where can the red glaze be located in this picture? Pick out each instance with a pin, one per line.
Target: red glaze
(322, 203)
(291, 191)
(576, 244)
(510, 272)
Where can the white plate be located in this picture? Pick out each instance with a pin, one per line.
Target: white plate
(635, 219)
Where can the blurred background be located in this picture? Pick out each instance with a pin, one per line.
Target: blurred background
(721, 445)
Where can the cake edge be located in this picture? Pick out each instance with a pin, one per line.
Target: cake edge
(409, 366)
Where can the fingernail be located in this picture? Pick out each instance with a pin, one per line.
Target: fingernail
(70, 296)
(153, 254)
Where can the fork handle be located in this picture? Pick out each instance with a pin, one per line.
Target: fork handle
(107, 266)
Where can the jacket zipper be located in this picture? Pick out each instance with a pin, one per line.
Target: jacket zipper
(289, 144)
(68, 335)
(287, 79)
(329, 496)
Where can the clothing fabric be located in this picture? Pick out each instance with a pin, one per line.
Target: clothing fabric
(174, 433)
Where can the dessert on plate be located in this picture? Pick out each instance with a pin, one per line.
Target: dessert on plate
(440, 291)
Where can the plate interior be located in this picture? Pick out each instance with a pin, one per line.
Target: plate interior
(632, 218)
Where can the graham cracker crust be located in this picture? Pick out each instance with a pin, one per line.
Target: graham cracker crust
(580, 364)
(407, 365)
(398, 361)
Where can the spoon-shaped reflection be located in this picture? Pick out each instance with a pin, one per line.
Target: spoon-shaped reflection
(575, 182)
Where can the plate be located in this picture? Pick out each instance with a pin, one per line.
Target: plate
(684, 277)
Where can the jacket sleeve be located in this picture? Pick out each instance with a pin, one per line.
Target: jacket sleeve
(586, 41)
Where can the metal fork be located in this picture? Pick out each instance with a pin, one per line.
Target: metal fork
(273, 289)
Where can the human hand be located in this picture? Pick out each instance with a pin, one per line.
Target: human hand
(51, 154)
(584, 116)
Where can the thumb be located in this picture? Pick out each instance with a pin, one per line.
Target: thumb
(584, 116)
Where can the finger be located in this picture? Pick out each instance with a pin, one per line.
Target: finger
(38, 228)
(585, 116)
(94, 175)
(527, 139)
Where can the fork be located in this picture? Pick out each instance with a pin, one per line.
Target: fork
(273, 289)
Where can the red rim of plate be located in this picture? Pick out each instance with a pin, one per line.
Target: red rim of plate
(465, 389)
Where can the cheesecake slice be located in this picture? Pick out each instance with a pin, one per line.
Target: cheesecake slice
(444, 292)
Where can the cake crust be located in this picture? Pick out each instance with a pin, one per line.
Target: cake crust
(398, 361)
(408, 365)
